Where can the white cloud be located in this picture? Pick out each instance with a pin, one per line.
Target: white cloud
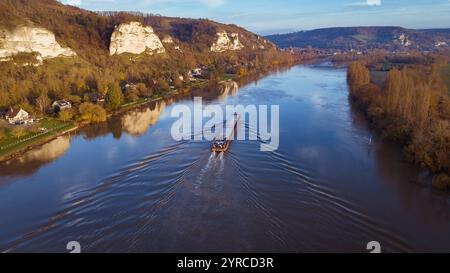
(73, 2)
(374, 2)
(367, 3)
(213, 3)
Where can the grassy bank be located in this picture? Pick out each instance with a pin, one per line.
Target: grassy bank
(14, 143)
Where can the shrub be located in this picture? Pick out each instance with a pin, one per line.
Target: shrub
(3, 134)
(75, 99)
(441, 182)
(18, 132)
(66, 115)
(163, 85)
(34, 128)
(92, 113)
(132, 97)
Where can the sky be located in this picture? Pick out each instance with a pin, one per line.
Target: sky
(281, 16)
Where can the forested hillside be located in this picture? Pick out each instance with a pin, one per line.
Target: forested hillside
(93, 70)
(364, 38)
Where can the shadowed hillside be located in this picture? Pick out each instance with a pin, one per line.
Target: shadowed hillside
(364, 38)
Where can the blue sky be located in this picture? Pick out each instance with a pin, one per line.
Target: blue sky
(272, 16)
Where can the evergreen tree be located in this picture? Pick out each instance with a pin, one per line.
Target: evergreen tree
(113, 96)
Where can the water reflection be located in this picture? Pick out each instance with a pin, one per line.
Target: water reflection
(137, 122)
(228, 88)
(31, 161)
(137, 190)
(134, 122)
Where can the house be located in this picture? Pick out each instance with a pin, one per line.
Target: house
(16, 116)
(195, 73)
(167, 40)
(60, 105)
(97, 97)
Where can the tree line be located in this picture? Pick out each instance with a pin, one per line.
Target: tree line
(413, 109)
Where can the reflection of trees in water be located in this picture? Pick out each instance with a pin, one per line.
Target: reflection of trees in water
(34, 159)
(96, 130)
(135, 122)
(229, 88)
(115, 125)
(138, 121)
(410, 185)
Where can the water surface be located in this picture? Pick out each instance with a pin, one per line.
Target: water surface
(127, 186)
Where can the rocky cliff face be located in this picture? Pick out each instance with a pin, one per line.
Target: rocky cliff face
(135, 38)
(404, 40)
(28, 39)
(226, 42)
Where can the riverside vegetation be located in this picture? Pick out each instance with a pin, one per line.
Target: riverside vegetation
(412, 108)
(120, 80)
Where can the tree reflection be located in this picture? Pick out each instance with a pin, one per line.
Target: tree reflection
(33, 160)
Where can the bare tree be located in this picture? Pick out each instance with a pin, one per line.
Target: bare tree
(43, 102)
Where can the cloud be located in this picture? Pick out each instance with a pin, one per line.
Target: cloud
(367, 3)
(374, 2)
(73, 2)
(213, 3)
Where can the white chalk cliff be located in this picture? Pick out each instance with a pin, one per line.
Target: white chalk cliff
(27, 39)
(226, 42)
(135, 38)
(404, 40)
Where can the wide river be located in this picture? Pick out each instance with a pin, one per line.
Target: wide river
(127, 186)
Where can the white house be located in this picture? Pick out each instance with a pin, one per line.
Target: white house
(16, 115)
(195, 73)
(167, 40)
(60, 105)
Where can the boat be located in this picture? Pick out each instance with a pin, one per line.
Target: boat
(222, 145)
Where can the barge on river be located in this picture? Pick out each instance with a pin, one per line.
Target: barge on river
(222, 145)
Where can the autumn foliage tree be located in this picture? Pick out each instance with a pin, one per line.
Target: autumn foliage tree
(91, 113)
(365, 93)
(358, 75)
(66, 114)
(412, 108)
(18, 132)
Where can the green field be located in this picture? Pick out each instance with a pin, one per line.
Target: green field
(362, 38)
(11, 144)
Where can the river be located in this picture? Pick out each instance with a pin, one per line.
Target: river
(127, 186)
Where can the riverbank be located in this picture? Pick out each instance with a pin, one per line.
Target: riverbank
(22, 145)
(29, 142)
(403, 112)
